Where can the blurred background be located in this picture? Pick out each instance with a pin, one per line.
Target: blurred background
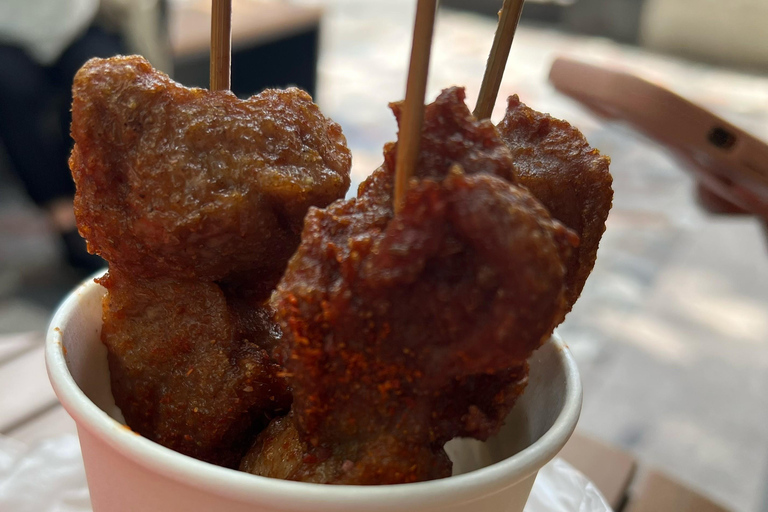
(671, 332)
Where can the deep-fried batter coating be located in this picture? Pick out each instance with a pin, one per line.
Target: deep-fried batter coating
(479, 403)
(450, 135)
(196, 199)
(390, 324)
(191, 183)
(463, 400)
(476, 408)
(279, 452)
(189, 371)
(571, 179)
(252, 320)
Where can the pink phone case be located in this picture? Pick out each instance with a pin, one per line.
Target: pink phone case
(727, 160)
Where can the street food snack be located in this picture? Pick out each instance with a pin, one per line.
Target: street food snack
(255, 319)
(571, 179)
(173, 181)
(403, 331)
(196, 199)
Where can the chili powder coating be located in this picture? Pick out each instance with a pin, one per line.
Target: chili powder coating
(571, 179)
(403, 332)
(190, 183)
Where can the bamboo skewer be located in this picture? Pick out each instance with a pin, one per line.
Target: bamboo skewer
(221, 44)
(497, 60)
(409, 137)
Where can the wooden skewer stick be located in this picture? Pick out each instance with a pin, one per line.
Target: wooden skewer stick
(221, 44)
(409, 138)
(497, 60)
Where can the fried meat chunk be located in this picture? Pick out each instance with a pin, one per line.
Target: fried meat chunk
(571, 179)
(403, 332)
(194, 184)
(391, 322)
(450, 136)
(189, 370)
(196, 199)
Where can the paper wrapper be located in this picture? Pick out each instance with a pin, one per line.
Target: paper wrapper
(49, 477)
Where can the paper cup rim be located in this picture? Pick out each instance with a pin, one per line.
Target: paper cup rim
(269, 491)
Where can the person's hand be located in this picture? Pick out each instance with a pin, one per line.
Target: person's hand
(715, 203)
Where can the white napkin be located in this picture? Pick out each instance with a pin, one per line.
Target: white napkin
(45, 477)
(49, 477)
(561, 488)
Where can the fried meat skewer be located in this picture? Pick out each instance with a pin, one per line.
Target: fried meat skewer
(197, 184)
(196, 199)
(402, 331)
(571, 179)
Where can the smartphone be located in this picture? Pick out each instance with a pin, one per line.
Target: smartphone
(727, 160)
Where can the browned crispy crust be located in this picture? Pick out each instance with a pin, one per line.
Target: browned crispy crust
(571, 179)
(402, 332)
(400, 335)
(280, 452)
(187, 372)
(196, 199)
(450, 135)
(193, 183)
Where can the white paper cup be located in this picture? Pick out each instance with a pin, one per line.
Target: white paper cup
(128, 473)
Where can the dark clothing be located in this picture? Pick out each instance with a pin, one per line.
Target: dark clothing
(35, 103)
